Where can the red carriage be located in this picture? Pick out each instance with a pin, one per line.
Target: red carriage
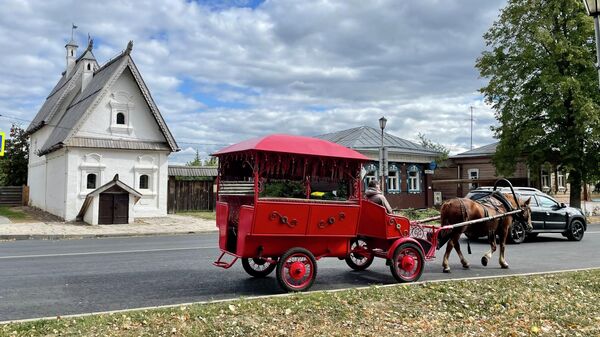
(284, 202)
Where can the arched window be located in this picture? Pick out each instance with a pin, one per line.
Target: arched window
(71, 53)
(91, 181)
(89, 66)
(121, 118)
(144, 182)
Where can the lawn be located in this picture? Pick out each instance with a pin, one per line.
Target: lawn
(207, 215)
(563, 304)
(14, 214)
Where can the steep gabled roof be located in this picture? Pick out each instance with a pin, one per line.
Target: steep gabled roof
(97, 88)
(483, 151)
(368, 138)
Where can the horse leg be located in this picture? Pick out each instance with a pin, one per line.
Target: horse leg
(503, 236)
(449, 247)
(492, 240)
(456, 244)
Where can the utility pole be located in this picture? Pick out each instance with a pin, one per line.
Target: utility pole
(471, 127)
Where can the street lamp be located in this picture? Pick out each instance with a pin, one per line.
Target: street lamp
(382, 122)
(593, 9)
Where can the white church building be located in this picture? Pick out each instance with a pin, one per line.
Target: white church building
(99, 145)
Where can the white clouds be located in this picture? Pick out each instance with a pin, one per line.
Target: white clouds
(223, 73)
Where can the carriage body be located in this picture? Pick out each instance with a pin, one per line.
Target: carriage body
(286, 201)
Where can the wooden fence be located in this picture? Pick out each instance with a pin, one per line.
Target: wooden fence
(13, 195)
(190, 195)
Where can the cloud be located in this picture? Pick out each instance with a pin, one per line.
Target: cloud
(222, 72)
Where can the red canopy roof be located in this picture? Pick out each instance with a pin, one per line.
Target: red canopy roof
(294, 144)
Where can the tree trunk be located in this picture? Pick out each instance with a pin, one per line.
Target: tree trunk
(575, 189)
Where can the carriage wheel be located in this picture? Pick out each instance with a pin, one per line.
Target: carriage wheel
(296, 270)
(258, 267)
(362, 258)
(407, 263)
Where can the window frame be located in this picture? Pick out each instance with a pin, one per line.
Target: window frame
(416, 179)
(95, 180)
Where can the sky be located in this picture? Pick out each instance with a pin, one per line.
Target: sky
(225, 71)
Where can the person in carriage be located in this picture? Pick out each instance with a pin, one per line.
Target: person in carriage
(374, 194)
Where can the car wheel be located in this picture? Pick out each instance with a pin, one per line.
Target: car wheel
(575, 232)
(517, 233)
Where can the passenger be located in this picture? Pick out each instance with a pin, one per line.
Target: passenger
(374, 195)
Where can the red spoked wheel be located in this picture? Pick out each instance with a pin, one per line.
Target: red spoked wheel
(258, 267)
(407, 263)
(296, 270)
(360, 257)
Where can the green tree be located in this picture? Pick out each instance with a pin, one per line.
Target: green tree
(543, 85)
(197, 160)
(429, 144)
(13, 166)
(211, 161)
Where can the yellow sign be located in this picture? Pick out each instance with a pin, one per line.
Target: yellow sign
(3, 135)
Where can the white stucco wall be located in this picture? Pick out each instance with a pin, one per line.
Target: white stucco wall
(129, 165)
(123, 96)
(55, 182)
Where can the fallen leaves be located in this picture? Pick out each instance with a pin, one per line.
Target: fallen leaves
(545, 305)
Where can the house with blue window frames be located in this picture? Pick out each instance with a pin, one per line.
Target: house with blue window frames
(408, 184)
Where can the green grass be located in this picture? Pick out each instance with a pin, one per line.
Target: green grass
(14, 214)
(207, 215)
(545, 305)
(418, 214)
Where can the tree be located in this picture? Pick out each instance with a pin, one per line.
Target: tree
(429, 144)
(13, 166)
(543, 85)
(211, 161)
(197, 160)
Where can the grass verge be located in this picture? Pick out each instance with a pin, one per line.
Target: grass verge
(545, 305)
(14, 214)
(206, 215)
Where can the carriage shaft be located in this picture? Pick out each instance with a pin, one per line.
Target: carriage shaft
(489, 218)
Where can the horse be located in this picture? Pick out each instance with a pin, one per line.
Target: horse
(462, 209)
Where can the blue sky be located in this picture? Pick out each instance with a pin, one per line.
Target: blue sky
(225, 71)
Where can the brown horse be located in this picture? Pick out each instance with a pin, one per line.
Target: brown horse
(461, 209)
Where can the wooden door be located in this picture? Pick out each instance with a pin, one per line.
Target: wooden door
(113, 208)
(121, 209)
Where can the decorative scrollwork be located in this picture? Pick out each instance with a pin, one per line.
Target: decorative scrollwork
(284, 220)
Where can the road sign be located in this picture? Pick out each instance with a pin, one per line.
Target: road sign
(3, 136)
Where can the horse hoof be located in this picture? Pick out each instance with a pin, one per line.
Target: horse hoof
(466, 266)
(484, 261)
(446, 270)
(504, 266)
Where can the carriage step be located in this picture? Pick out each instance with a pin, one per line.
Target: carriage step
(225, 264)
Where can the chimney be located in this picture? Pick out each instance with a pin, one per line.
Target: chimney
(71, 48)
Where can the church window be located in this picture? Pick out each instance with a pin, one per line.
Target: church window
(91, 181)
(121, 118)
(89, 66)
(144, 182)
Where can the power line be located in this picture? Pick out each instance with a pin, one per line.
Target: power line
(122, 137)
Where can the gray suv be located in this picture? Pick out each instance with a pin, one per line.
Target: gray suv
(547, 215)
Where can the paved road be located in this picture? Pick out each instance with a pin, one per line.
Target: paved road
(49, 278)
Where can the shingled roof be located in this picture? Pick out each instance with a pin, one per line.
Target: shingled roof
(368, 138)
(484, 151)
(64, 130)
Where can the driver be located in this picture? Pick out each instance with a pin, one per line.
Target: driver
(374, 194)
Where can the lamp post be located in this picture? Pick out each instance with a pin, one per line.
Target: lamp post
(593, 9)
(382, 122)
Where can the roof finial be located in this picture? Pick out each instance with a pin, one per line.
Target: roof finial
(129, 47)
(73, 27)
(90, 42)
(116, 177)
